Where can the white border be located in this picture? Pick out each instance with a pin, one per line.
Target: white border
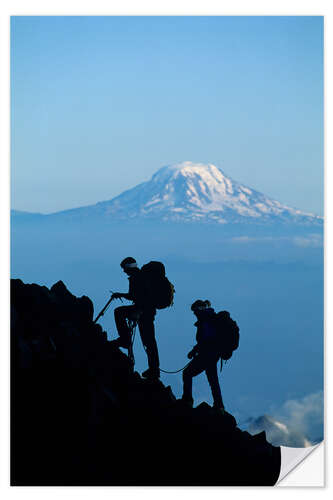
(134, 7)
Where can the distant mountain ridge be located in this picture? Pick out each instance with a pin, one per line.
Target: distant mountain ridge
(193, 192)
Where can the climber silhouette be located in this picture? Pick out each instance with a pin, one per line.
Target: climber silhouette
(204, 355)
(142, 311)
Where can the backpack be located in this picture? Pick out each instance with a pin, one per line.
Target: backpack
(227, 334)
(159, 289)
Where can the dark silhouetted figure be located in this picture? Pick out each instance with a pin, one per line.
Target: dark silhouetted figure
(205, 354)
(142, 311)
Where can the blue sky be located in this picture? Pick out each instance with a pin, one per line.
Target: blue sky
(100, 103)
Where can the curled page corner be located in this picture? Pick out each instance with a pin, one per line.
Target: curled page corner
(291, 458)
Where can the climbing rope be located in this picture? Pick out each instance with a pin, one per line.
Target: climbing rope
(176, 371)
(132, 325)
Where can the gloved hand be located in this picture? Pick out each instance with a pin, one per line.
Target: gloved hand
(190, 355)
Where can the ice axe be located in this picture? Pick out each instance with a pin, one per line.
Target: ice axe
(105, 307)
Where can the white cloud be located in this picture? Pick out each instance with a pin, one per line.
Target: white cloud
(252, 239)
(305, 415)
(297, 423)
(312, 240)
(278, 433)
(308, 241)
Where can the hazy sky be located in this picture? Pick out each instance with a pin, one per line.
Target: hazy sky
(100, 103)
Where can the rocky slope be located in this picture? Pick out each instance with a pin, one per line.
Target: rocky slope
(80, 416)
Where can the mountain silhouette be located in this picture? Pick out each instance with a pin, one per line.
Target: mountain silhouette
(191, 192)
(81, 416)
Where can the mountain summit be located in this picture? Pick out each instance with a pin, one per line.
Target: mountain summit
(188, 192)
(199, 192)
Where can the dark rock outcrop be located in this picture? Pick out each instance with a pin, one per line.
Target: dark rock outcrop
(81, 417)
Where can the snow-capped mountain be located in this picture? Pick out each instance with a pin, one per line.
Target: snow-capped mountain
(198, 192)
(191, 192)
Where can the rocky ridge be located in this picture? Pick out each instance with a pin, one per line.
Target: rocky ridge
(80, 416)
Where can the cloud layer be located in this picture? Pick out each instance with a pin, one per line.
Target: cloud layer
(298, 423)
(308, 241)
(305, 415)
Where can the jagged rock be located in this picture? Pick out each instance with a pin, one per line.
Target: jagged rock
(80, 416)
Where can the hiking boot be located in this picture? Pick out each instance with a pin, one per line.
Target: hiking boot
(219, 410)
(151, 374)
(120, 343)
(185, 402)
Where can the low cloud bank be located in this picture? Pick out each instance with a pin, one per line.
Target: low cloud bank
(308, 241)
(298, 423)
(305, 415)
(312, 240)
